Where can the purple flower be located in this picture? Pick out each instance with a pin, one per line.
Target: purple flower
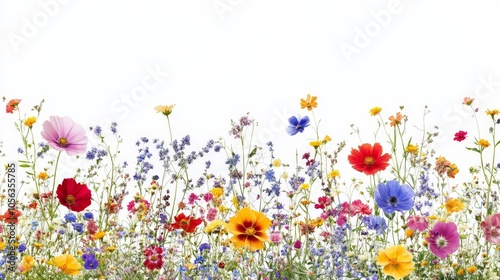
(443, 239)
(90, 262)
(63, 134)
(393, 197)
(376, 223)
(296, 126)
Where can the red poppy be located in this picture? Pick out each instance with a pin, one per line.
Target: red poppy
(73, 195)
(11, 216)
(369, 159)
(187, 223)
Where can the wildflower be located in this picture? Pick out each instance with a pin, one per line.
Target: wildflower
(492, 112)
(304, 186)
(275, 237)
(471, 269)
(309, 102)
(98, 235)
(29, 121)
(75, 196)
(43, 176)
(90, 261)
(249, 229)
(375, 111)
(416, 222)
(412, 149)
(27, 264)
(396, 260)
(376, 223)
(327, 139)
(166, 110)
(369, 159)
(186, 223)
(315, 143)
(393, 196)
(68, 264)
(11, 216)
(12, 105)
(443, 239)
(214, 227)
(297, 244)
(445, 166)
(483, 143)
(154, 259)
(334, 174)
(217, 192)
(491, 228)
(296, 126)
(453, 205)
(277, 162)
(396, 120)
(63, 134)
(468, 101)
(460, 136)
(409, 232)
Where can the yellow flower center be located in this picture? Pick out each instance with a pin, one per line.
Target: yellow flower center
(70, 200)
(369, 161)
(250, 231)
(184, 222)
(63, 142)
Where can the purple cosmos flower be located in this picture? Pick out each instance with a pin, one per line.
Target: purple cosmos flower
(443, 239)
(296, 126)
(392, 197)
(63, 134)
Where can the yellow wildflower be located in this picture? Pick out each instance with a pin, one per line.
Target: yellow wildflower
(98, 235)
(304, 186)
(217, 192)
(27, 263)
(375, 111)
(277, 162)
(315, 143)
(334, 174)
(460, 272)
(166, 110)
(492, 112)
(235, 201)
(29, 121)
(453, 205)
(412, 149)
(110, 249)
(38, 245)
(68, 264)
(214, 226)
(2, 245)
(483, 143)
(43, 175)
(471, 269)
(326, 139)
(309, 102)
(409, 232)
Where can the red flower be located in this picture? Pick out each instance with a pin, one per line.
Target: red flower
(358, 207)
(11, 216)
(369, 159)
(460, 136)
(73, 195)
(188, 224)
(12, 105)
(154, 258)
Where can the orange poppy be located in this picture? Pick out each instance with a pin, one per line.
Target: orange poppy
(249, 229)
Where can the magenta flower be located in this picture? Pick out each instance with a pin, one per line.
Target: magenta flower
(491, 228)
(63, 134)
(416, 222)
(460, 136)
(443, 239)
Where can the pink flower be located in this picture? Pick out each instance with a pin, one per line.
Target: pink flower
(154, 258)
(63, 134)
(416, 222)
(460, 136)
(208, 197)
(358, 207)
(491, 228)
(297, 244)
(275, 237)
(212, 213)
(443, 239)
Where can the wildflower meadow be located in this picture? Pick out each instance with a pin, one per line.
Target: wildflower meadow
(390, 206)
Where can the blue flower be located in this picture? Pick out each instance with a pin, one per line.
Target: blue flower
(296, 125)
(88, 216)
(78, 227)
(376, 223)
(22, 247)
(90, 260)
(393, 196)
(70, 217)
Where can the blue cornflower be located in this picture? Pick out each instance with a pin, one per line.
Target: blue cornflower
(22, 247)
(296, 125)
(70, 217)
(393, 196)
(78, 227)
(88, 216)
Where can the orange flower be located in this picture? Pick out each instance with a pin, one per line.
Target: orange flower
(396, 120)
(249, 229)
(166, 110)
(468, 101)
(68, 264)
(27, 263)
(396, 260)
(309, 102)
(11, 216)
(12, 105)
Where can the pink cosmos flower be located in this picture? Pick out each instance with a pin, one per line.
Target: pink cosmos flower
(416, 222)
(443, 239)
(275, 237)
(491, 228)
(63, 134)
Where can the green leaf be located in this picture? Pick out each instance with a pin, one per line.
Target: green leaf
(253, 152)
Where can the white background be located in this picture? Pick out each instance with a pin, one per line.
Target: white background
(224, 58)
